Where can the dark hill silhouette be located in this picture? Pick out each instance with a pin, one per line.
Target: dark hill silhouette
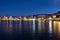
(58, 13)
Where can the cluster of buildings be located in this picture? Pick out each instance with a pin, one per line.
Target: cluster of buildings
(43, 16)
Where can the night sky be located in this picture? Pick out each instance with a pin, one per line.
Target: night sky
(28, 7)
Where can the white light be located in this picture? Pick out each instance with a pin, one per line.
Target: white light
(50, 26)
(50, 18)
(33, 26)
(31, 19)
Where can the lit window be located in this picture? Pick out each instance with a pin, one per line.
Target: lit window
(54, 16)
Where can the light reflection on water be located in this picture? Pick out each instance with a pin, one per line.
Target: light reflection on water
(50, 26)
(57, 28)
(34, 28)
(39, 25)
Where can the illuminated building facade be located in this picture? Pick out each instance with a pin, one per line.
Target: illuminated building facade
(42, 16)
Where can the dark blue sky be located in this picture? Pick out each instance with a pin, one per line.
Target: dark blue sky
(28, 7)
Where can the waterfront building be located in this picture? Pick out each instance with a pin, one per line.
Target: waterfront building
(36, 16)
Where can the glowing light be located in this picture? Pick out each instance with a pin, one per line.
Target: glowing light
(25, 18)
(33, 25)
(4, 18)
(54, 23)
(10, 18)
(50, 18)
(32, 19)
(39, 25)
(54, 16)
(59, 27)
(50, 26)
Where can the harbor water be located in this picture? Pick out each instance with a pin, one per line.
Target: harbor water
(29, 30)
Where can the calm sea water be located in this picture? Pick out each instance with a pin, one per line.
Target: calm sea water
(29, 30)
